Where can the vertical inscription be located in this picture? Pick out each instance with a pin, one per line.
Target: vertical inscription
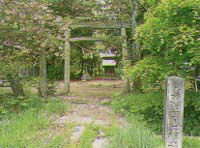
(173, 112)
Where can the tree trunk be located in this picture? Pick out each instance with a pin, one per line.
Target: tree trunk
(135, 45)
(16, 87)
(67, 62)
(43, 74)
(125, 59)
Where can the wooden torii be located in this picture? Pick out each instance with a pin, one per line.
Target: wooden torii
(93, 25)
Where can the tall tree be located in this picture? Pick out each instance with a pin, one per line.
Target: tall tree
(169, 40)
(24, 30)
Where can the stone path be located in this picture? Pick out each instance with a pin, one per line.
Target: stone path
(87, 106)
(100, 143)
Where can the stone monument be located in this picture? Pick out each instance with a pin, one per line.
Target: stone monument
(173, 112)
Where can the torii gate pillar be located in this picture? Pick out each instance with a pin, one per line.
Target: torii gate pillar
(125, 58)
(67, 56)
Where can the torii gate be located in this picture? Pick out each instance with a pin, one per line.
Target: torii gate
(95, 25)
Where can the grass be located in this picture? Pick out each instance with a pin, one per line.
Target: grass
(86, 139)
(133, 135)
(56, 106)
(56, 142)
(27, 122)
(88, 136)
(191, 142)
(147, 109)
(23, 129)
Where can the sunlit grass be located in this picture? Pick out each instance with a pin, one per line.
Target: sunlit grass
(23, 129)
(30, 126)
(88, 136)
(134, 137)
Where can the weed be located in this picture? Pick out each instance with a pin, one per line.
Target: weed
(134, 137)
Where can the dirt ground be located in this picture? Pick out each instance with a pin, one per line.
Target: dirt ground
(87, 102)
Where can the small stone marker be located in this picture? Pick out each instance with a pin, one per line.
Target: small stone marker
(173, 112)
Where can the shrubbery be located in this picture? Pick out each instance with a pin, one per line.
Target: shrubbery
(149, 107)
(10, 106)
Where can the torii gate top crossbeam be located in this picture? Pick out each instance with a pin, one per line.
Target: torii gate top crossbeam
(100, 25)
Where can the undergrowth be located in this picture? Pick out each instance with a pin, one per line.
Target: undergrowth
(134, 137)
(25, 123)
(147, 108)
(88, 136)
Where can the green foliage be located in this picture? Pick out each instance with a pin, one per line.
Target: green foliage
(22, 129)
(56, 106)
(10, 105)
(134, 137)
(191, 142)
(192, 113)
(169, 40)
(56, 142)
(151, 71)
(23, 121)
(149, 107)
(26, 28)
(88, 136)
(73, 8)
(55, 72)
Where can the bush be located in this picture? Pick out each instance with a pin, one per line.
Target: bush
(55, 72)
(192, 113)
(149, 107)
(9, 106)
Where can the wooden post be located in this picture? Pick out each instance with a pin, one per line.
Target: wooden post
(135, 45)
(43, 73)
(125, 58)
(173, 112)
(136, 53)
(67, 61)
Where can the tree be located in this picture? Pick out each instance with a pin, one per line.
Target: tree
(170, 33)
(26, 32)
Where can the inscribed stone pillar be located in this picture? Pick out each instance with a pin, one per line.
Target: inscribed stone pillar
(173, 112)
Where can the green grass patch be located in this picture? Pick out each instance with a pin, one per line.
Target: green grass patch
(133, 134)
(88, 136)
(22, 130)
(148, 107)
(56, 142)
(86, 139)
(56, 106)
(26, 123)
(191, 142)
